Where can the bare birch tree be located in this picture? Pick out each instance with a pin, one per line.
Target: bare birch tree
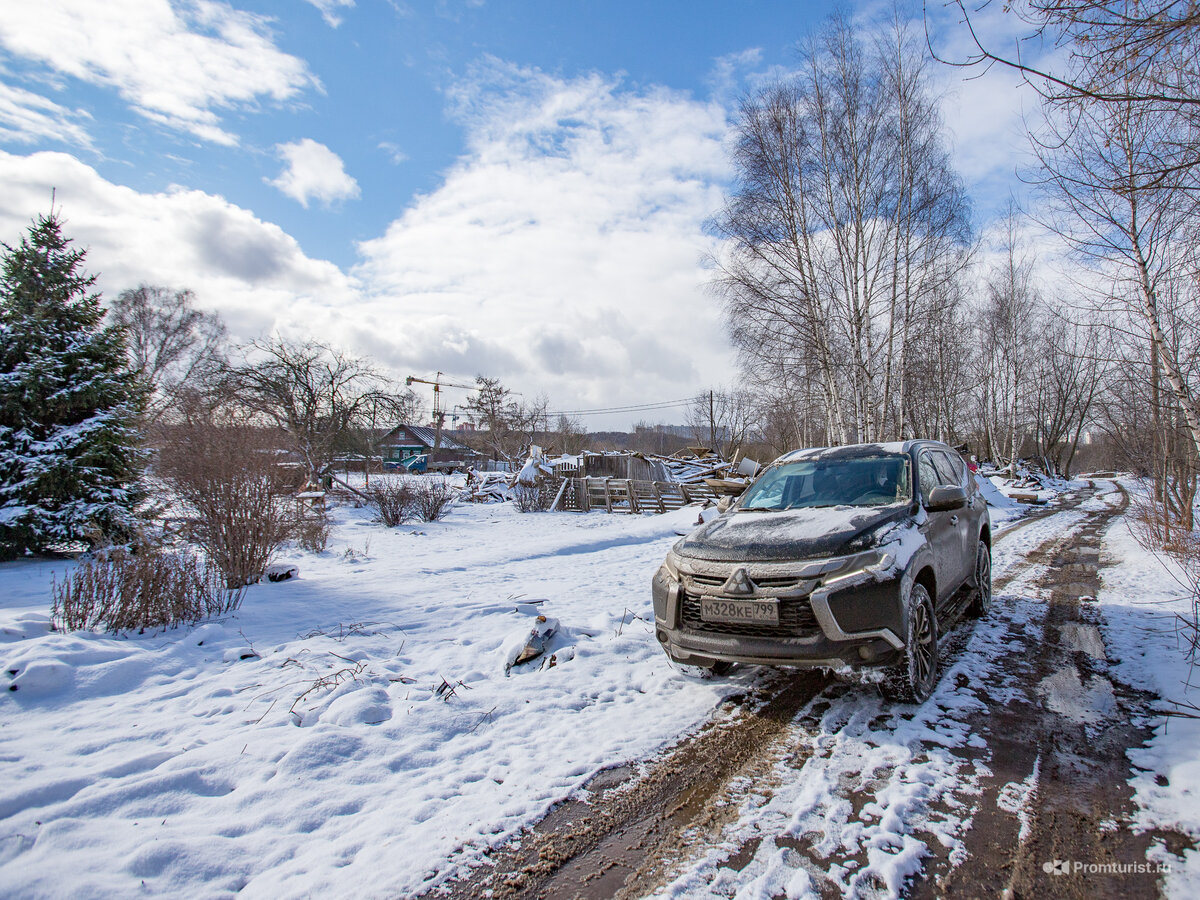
(944, 377)
(845, 225)
(1123, 213)
(1140, 52)
(1008, 322)
(177, 349)
(1067, 376)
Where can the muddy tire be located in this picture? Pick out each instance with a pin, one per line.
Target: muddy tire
(913, 680)
(981, 593)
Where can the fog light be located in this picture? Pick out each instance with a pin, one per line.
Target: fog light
(662, 636)
(865, 652)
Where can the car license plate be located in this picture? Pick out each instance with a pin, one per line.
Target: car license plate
(739, 612)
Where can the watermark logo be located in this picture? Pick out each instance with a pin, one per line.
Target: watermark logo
(1078, 867)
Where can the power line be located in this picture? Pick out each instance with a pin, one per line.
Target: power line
(641, 407)
(611, 410)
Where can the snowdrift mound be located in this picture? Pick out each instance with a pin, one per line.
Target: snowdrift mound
(992, 494)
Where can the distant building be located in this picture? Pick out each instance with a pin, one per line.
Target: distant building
(403, 446)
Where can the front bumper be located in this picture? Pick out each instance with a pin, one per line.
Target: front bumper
(854, 620)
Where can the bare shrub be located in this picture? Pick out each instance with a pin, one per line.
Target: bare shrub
(147, 588)
(241, 500)
(533, 497)
(432, 499)
(312, 532)
(1157, 528)
(394, 501)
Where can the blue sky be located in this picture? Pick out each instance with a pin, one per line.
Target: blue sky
(514, 189)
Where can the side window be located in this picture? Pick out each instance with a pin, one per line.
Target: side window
(960, 467)
(927, 475)
(950, 468)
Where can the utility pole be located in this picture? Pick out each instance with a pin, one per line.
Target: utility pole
(712, 424)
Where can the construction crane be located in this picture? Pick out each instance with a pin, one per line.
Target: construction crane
(439, 414)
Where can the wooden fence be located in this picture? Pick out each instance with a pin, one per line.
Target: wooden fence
(627, 495)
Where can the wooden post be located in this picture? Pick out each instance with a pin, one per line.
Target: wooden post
(562, 489)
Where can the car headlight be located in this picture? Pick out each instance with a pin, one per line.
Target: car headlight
(671, 564)
(871, 562)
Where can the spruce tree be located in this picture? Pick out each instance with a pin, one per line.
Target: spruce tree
(69, 441)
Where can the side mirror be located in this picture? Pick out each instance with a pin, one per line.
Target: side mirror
(946, 497)
(724, 503)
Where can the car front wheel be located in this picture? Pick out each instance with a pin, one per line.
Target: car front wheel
(912, 681)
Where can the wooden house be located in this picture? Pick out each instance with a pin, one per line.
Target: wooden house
(403, 446)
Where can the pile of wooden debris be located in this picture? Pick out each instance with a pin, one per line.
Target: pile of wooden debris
(618, 480)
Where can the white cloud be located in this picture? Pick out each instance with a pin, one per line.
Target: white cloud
(562, 253)
(329, 10)
(174, 64)
(985, 112)
(564, 248)
(26, 118)
(726, 78)
(250, 271)
(313, 172)
(395, 154)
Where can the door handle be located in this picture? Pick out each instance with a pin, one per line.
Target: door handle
(954, 520)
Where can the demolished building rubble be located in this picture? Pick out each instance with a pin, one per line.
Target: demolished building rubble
(618, 481)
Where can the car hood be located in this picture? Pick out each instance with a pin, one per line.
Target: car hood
(787, 534)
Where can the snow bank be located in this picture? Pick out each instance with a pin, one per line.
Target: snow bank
(993, 496)
(1141, 597)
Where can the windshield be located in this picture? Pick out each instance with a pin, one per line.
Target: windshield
(865, 481)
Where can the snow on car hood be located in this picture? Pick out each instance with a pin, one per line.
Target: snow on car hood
(786, 534)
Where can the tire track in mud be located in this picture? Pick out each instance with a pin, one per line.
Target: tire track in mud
(1057, 793)
(600, 847)
(637, 826)
(872, 758)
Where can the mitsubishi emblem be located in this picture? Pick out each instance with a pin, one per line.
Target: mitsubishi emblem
(739, 583)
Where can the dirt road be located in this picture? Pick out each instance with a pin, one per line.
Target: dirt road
(811, 784)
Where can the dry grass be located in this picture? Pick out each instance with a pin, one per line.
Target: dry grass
(1159, 530)
(534, 498)
(312, 532)
(131, 591)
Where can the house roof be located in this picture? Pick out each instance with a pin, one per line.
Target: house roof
(426, 436)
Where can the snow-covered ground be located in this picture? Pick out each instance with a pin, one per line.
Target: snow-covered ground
(354, 732)
(346, 733)
(1143, 599)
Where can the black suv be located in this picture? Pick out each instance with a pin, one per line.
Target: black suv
(856, 555)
